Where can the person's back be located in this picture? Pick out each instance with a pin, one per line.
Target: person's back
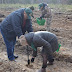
(40, 38)
(43, 34)
(8, 21)
(8, 25)
(46, 35)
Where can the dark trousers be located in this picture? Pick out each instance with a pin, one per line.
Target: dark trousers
(10, 47)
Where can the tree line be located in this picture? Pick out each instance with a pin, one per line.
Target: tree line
(35, 1)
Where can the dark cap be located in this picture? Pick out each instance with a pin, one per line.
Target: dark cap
(40, 5)
(29, 12)
(32, 7)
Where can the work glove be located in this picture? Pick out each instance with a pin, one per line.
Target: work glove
(32, 60)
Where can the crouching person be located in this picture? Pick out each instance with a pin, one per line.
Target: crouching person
(43, 39)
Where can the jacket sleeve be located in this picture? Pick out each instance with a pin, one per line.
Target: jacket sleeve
(39, 41)
(16, 21)
(29, 28)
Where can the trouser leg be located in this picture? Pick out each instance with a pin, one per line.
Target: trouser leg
(10, 47)
(48, 23)
(44, 60)
(14, 42)
(46, 54)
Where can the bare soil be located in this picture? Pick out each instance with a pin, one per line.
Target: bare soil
(62, 26)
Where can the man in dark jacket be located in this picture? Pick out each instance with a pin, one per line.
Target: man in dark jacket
(15, 24)
(46, 40)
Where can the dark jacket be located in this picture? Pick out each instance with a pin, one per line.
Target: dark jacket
(11, 26)
(43, 38)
